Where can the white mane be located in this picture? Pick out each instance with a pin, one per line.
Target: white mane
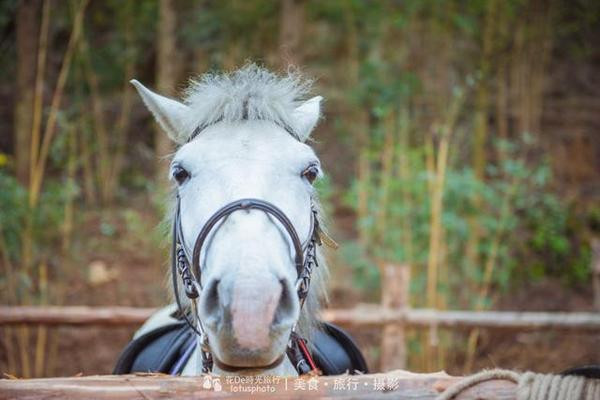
(249, 93)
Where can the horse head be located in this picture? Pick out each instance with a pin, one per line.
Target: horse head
(243, 136)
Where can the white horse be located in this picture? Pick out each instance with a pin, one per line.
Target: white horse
(243, 135)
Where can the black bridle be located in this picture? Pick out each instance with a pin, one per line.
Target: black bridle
(305, 260)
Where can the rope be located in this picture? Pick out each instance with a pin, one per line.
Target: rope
(532, 386)
(476, 379)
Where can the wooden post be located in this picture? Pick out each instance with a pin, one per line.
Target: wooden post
(394, 295)
(166, 79)
(596, 272)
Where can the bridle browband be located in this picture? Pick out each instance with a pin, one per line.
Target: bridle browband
(304, 259)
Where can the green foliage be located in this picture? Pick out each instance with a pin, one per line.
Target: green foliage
(534, 229)
(228, 23)
(394, 47)
(127, 28)
(13, 199)
(14, 210)
(365, 275)
(553, 246)
(325, 191)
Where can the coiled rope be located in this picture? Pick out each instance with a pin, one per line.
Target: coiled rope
(532, 386)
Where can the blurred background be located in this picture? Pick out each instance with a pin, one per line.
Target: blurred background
(460, 140)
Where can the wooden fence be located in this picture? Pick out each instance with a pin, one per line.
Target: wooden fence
(363, 315)
(397, 385)
(393, 315)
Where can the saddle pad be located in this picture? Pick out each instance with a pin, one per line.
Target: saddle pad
(164, 348)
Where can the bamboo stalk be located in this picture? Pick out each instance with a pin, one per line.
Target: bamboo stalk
(435, 241)
(387, 160)
(482, 98)
(67, 226)
(359, 127)
(121, 131)
(502, 81)
(437, 192)
(489, 268)
(101, 133)
(42, 331)
(430, 167)
(403, 173)
(442, 304)
(430, 162)
(538, 67)
(67, 230)
(481, 129)
(517, 76)
(55, 104)
(38, 99)
(40, 152)
(87, 160)
(531, 112)
(39, 85)
(23, 344)
(11, 297)
(85, 140)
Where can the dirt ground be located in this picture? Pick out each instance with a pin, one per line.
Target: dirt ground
(131, 277)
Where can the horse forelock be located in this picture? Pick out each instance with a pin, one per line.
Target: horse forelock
(249, 93)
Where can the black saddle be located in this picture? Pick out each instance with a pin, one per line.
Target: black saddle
(167, 349)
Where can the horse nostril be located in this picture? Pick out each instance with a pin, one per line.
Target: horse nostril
(286, 306)
(211, 301)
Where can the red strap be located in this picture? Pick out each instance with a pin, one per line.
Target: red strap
(307, 355)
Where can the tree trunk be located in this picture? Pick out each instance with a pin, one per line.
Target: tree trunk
(166, 67)
(387, 163)
(290, 32)
(482, 100)
(27, 39)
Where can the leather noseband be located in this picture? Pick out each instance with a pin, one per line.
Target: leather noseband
(246, 204)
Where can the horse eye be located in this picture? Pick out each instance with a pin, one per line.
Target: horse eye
(311, 173)
(180, 174)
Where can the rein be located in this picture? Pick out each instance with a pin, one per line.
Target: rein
(305, 260)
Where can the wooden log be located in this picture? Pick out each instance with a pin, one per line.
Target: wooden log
(399, 385)
(395, 281)
(362, 315)
(74, 315)
(373, 315)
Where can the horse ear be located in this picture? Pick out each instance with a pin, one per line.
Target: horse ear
(307, 115)
(170, 114)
